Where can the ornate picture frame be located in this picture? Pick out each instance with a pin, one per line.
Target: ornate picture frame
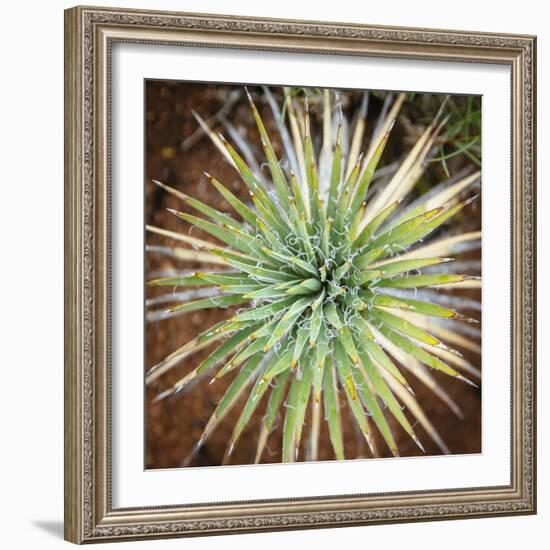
(90, 34)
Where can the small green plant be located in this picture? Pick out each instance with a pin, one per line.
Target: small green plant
(329, 262)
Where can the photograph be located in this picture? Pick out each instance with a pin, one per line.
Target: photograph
(313, 274)
(272, 275)
(300, 273)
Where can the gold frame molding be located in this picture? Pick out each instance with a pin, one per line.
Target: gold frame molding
(89, 36)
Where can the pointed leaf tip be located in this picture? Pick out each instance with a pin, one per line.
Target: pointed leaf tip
(419, 444)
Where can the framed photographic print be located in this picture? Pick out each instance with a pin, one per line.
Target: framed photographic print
(300, 280)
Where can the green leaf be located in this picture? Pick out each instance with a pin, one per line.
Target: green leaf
(295, 263)
(301, 338)
(252, 402)
(255, 347)
(305, 287)
(418, 281)
(342, 270)
(227, 279)
(231, 395)
(356, 223)
(259, 313)
(369, 230)
(304, 392)
(271, 219)
(376, 352)
(289, 319)
(212, 213)
(266, 328)
(244, 264)
(239, 240)
(319, 300)
(299, 199)
(259, 194)
(345, 371)
(332, 411)
(274, 240)
(271, 291)
(302, 234)
(311, 172)
(289, 443)
(237, 205)
(315, 327)
(279, 180)
(414, 306)
(360, 192)
(405, 327)
(325, 243)
(319, 363)
(422, 355)
(336, 175)
(423, 230)
(368, 396)
(190, 280)
(282, 363)
(394, 235)
(331, 313)
(348, 344)
(366, 258)
(387, 396)
(342, 213)
(203, 340)
(226, 348)
(209, 303)
(275, 400)
(396, 267)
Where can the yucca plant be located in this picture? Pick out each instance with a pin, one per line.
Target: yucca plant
(331, 267)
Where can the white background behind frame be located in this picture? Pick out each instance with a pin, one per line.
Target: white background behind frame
(132, 486)
(31, 472)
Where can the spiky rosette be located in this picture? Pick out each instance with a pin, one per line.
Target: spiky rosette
(327, 273)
